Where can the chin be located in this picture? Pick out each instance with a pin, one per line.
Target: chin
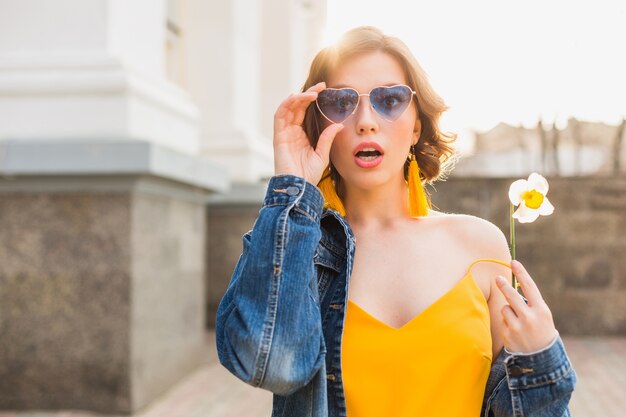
(367, 180)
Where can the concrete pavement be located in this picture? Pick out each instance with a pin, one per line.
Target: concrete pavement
(212, 391)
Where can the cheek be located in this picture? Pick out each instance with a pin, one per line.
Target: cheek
(340, 149)
(404, 135)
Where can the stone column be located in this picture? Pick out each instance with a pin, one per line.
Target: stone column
(291, 34)
(102, 271)
(247, 56)
(102, 209)
(80, 69)
(224, 81)
(271, 43)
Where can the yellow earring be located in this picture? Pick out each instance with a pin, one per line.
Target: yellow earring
(418, 203)
(331, 199)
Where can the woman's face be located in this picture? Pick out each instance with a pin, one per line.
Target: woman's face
(393, 138)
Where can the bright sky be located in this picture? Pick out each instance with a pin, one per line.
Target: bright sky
(499, 60)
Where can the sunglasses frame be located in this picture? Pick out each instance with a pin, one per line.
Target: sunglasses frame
(413, 94)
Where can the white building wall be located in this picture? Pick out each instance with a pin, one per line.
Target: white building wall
(112, 69)
(242, 57)
(285, 59)
(90, 69)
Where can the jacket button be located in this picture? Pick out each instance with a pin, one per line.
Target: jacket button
(292, 190)
(330, 377)
(517, 370)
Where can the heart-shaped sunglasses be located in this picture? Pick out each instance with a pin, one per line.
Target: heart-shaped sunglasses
(337, 104)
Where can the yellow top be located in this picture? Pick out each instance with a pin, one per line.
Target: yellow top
(437, 364)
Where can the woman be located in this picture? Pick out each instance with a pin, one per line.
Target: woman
(382, 327)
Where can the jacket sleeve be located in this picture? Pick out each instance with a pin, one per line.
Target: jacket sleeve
(268, 326)
(538, 384)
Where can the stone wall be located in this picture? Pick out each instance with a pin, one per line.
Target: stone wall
(167, 317)
(64, 300)
(101, 298)
(102, 272)
(226, 224)
(577, 255)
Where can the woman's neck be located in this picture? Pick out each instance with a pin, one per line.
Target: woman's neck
(382, 206)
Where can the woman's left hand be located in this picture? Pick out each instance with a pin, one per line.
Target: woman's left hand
(527, 328)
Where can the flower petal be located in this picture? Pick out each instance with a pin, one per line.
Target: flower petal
(521, 211)
(539, 183)
(516, 190)
(530, 218)
(525, 214)
(546, 207)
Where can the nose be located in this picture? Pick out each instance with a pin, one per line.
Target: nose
(365, 121)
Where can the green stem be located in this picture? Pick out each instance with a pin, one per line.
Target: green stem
(512, 237)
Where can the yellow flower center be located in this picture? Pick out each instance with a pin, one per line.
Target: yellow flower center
(533, 199)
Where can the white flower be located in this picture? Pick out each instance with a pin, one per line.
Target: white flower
(530, 195)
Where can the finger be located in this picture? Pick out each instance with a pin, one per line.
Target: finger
(326, 139)
(300, 102)
(511, 295)
(530, 289)
(300, 112)
(296, 100)
(281, 113)
(297, 105)
(508, 315)
(317, 87)
(286, 114)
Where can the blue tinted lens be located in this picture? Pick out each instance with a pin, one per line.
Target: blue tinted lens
(391, 102)
(337, 104)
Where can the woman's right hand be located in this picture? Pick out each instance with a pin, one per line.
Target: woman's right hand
(293, 153)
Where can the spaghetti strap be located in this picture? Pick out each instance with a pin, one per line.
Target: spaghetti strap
(488, 260)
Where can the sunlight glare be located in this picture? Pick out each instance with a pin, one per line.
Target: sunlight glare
(495, 61)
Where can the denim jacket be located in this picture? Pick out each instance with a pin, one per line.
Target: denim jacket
(280, 323)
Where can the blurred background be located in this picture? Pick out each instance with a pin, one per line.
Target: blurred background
(136, 145)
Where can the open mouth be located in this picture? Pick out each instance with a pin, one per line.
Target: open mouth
(368, 154)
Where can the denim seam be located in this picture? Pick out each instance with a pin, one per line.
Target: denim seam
(562, 372)
(516, 404)
(492, 396)
(328, 244)
(270, 316)
(322, 286)
(322, 261)
(304, 213)
(334, 249)
(287, 203)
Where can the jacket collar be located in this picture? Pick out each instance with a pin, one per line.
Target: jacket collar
(337, 239)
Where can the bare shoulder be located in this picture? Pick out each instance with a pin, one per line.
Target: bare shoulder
(476, 229)
(478, 233)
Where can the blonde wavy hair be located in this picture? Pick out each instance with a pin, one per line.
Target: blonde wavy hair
(434, 151)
